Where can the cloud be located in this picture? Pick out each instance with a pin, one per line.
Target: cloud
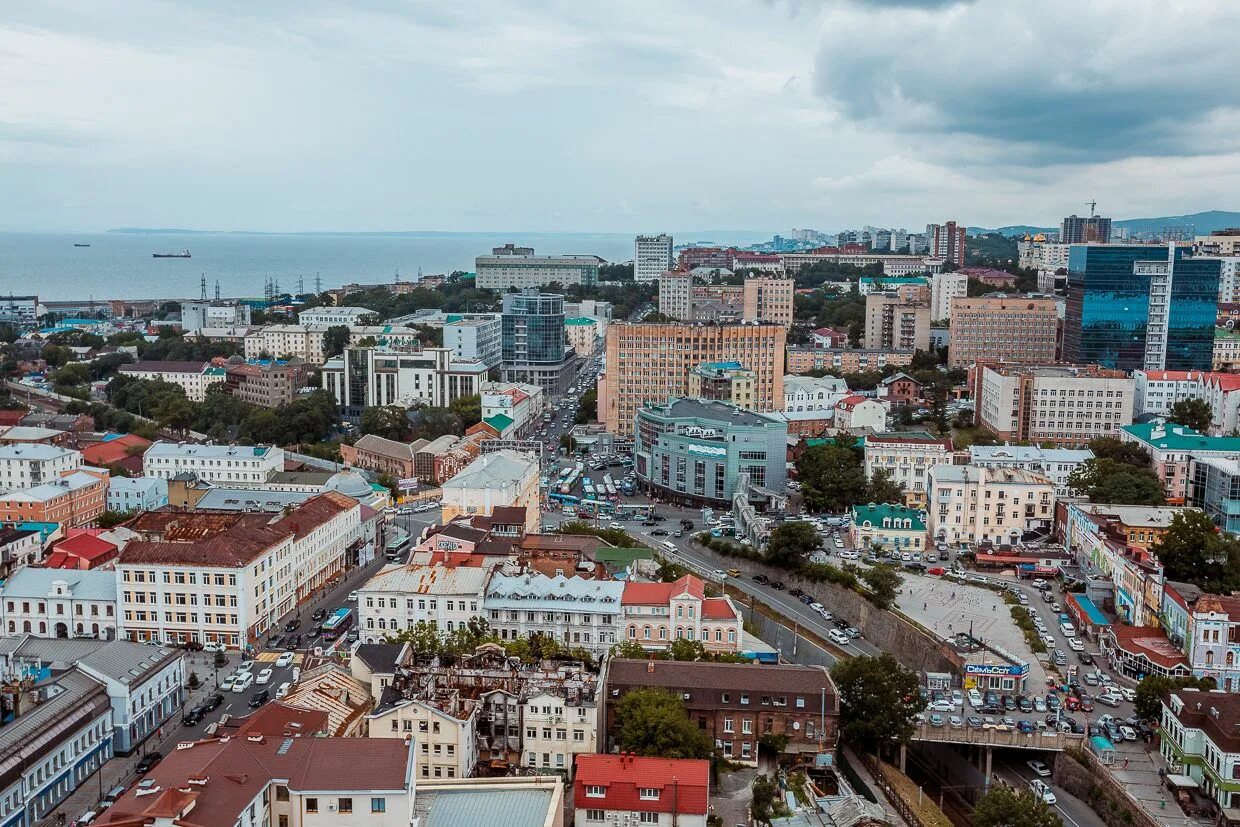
(1093, 80)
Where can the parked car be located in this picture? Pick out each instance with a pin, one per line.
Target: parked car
(192, 716)
(283, 689)
(838, 638)
(778, 585)
(761, 579)
(213, 647)
(148, 761)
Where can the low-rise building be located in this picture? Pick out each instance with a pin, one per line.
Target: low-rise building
(1172, 447)
(193, 377)
(382, 455)
(906, 456)
(580, 613)
(19, 547)
(502, 479)
(845, 359)
(900, 389)
(401, 596)
(1197, 738)
(890, 527)
(971, 504)
(728, 382)
(236, 466)
(656, 614)
(737, 704)
(267, 383)
(75, 498)
(282, 341)
(365, 376)
(1226, 350)
(857, 412)
(59, 603)
(582, 334)
(523, 404)
(334, 316)
(1156, 391)
(205, 313)
(24, 465)
(1206, 628)
(1214, 487)
(1056, 464)
(810, 393)
(126, 494)
(1061, 404)
(610, 789)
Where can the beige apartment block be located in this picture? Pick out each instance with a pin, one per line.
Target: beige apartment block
(768, 300)
(894, 323)
(1002, 329)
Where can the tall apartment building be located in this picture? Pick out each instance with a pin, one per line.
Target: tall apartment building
(648, 362)
(676, 295)
(533, 340)
(892, 323)
(368, 376)
(944, 287)
(999, 328)
(517, 267)
(652, 255)
(768, 300)
(1060, 404)
(1219, 243)
(1078, 230)
(946, 241)
(1136, 306)
(475, 337)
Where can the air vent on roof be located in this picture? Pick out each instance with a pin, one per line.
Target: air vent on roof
(285, 745)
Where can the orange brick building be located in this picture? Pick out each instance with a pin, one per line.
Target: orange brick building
(77, 498)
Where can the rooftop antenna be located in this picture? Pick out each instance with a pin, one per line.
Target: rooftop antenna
(301, 287)
(398, 275)
(202, 286)
(1093, 205)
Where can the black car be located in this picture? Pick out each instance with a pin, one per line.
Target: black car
(795, 592)
(1087, 658)
(275, 641)
(291, 626)
(649, 522)
(259, 698)
(658, 532)
(840, 623)
(688, 524)
(319, 614)
(658, 518)
(148, 761)
(212, 701)
(293, 642)
(778, 585)
(761, 579)
(805, 598)
(193, 716)
(190, 646)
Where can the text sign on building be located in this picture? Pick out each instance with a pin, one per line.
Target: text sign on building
(407, 484)
(990, 670)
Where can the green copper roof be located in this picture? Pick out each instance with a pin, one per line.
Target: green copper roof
(875, 514)
(580, 320)
(500, 422)
(1180, 438)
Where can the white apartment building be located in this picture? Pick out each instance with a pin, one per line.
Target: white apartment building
(1056, 464)
(475, 337)
(59, 603)
(363, 377)
(522, 403)
(809, 393)
(1067, 406)
(26, 465)
(197, 315)
(401, 596)
(652, 256)
(575, 611)
(279, 340)
(943, 288)
(445, 733)
(556, 732)
(193, 377)
(518, 267)
(236, 466)
(229, 578)
(126, 494)
(1156, 391)
(968, 504)
(906, 456)
(334, 316)
(676, 295)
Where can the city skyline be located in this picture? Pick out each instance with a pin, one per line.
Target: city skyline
(633, 118)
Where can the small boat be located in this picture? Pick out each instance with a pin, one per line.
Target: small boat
(81, 245)
(182, 254)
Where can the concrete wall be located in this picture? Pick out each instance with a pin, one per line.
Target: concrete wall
(1080, 774)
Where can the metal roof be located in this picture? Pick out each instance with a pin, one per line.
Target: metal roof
(37, 584)
(485, 807)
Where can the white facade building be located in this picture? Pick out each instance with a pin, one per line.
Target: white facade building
(1156, 391)
(809, 393)
(968, 504)
(335, 316)
(401, 596)
(556, 731)
(236, 466)
(475, 338)
(943, 288)
(515, 267)
(196, 315)
(280, 340)
(1056, 464)
(575, 611)
(126, 494)
(193, 377)
(373, 376)
(59, 603)
(26, 465)
(652, 256)
(906, 457)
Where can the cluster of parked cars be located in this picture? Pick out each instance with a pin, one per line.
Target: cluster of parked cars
(416, 508)
(842, 635)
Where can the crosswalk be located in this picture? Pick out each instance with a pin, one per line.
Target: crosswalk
(270, 657)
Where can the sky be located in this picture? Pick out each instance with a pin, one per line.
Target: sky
(633, 116)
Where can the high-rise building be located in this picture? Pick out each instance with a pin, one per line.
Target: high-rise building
(768, 300)
(946, 241)
(651, 362)
(475, 337)
(1061, 404)
(1140, 306)
(1078, 230)
(999, 328)
(943, 288)
(517, 267)
(534, 340)
(652, 256)
(894, 323)
(676, 294)
(1219, 243)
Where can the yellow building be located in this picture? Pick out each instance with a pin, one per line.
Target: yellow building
(724, 382)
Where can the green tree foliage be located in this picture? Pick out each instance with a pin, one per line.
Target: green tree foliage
(1193, 550)
(588, 410)
(468, 409)
(977, 287)
(832, 477)
(654, 722)
(791, 544)
(1008, 807)
(1153, 688)
(615, 272)
(335, 339)
(1125, 453)
(883, 581)
(1193, 413)
(629, 649)
(108, 519)
(56, 355)
(387, 421)
(1104, 480)
(767, 801)
(171, 346)
(882, 488)
(878, 701)
(74, 373)
(431, 423)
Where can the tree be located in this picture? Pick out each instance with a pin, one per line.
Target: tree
(1193, 550)
(335, 338)
(1105, 480)
(56, 355)
(790, 544)
(1125, 453)
(767, 802)
(1194, 413)
(882, 488)
(587, 410)
(1007, 807)
(1153, 688)
(883, 581)
(832, 477)
(387, 421)
(878, 701)
(468, 409)
(687, 650)
(629, 649)
(176, 413)
(108, 519)
(654, 722)
(423, 636)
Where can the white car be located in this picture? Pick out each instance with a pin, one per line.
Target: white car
(213, 647)
(226, 683)
(245, 666)
(941, 706)
(1040, 790)
(1039, 769)
(264, 677)
(1128, 732)
(283, 689)
(616, 527)
(285, 659)
(1075, 644)
(1129, 695)
(839, 638)
(850, 554)
(1049, 640)
(352, 596)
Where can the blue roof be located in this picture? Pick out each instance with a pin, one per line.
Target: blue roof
(1091, 611)
(725, 365)
(488, 808)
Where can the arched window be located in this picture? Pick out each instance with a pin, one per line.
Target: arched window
(632, 633)
(680, 632)
(718, 636)
(12, 626)
(731, 636)
(370, 623)
(42, 628)
(662, 633)
(646, 632)
(680, 611)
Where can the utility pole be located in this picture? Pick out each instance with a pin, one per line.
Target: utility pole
(202, 286)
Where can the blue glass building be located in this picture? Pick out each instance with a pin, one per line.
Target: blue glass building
(1136, 307)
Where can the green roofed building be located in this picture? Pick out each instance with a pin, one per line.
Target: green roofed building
(882, 525)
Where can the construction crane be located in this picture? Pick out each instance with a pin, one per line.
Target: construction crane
(1093, 205)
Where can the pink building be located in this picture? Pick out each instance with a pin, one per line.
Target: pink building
(655, 614)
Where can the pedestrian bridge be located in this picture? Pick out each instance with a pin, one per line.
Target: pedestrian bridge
(998, 737)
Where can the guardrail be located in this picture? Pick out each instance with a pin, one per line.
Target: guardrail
(1049, 740)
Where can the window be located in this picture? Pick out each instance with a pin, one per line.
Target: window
(312, 805)
(345, 805)
(648, 793)
(593, 791)
(648, 818)
(594, 815)
(281, 793)
(378, 805)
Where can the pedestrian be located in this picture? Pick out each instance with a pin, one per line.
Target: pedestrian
(923, 607)
(1125, 763)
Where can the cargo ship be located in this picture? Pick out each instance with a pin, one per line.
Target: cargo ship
(182, 254)
(80, 245)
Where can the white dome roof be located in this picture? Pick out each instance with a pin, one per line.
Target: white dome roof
(349, 483)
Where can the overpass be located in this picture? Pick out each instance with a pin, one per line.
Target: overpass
(980, 744)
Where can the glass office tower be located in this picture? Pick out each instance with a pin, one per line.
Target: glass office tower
(533, 340)
(1134, 307)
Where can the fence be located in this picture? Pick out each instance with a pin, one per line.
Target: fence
(879, 774)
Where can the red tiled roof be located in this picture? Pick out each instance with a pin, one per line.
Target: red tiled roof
(114, 450)
(683, 780)
(56, 560)
(660, 594)
(1148, 641)
(278, 719)
(849, 402)
(718, 608)
(86, 546)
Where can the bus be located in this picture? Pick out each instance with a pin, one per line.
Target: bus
(587, 485)
(599, 508)
(395, 546)
(337, 624)
(610, 485)
(563, 499)
(634, 511)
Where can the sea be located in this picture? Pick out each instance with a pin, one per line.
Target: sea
(119, 265)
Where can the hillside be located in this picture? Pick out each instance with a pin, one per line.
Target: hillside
(1203, 223)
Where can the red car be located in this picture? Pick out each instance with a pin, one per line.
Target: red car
(1073, 704)
(937, 571)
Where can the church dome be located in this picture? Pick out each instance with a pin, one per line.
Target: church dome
(349, 483)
